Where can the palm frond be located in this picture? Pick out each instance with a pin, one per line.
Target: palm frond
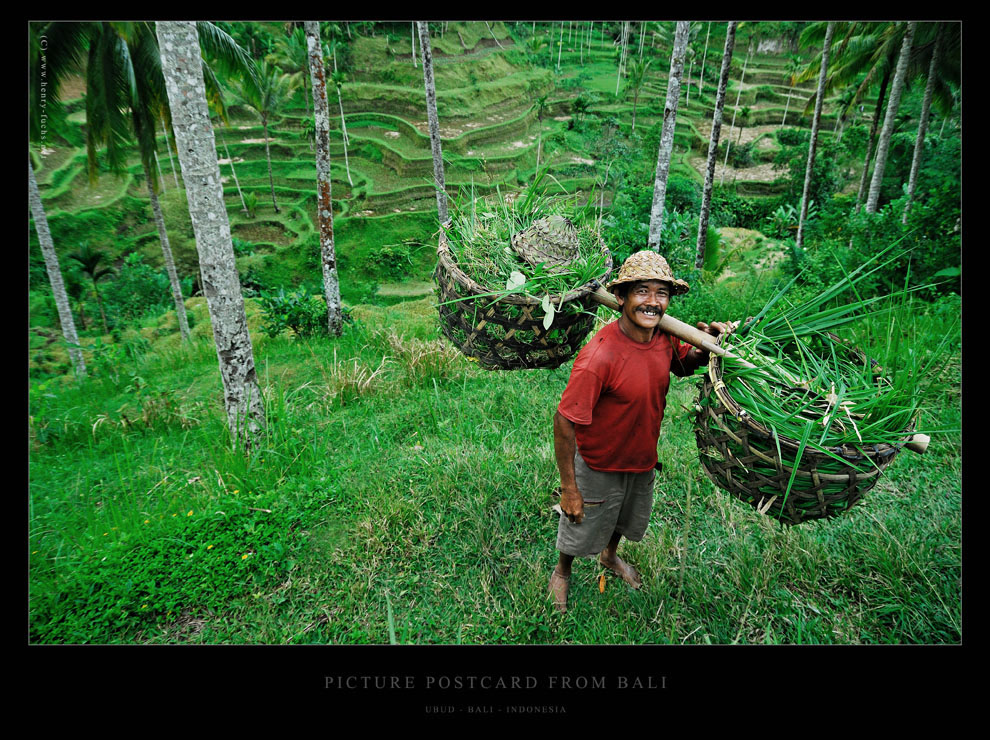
(223, 52)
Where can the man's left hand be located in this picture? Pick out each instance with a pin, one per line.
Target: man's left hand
(718, 327)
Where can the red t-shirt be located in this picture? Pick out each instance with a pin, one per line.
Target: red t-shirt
(616, 397)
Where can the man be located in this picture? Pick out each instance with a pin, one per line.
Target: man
(608, 421)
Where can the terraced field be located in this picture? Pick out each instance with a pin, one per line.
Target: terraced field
(384, 205)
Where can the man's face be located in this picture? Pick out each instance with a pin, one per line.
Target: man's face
(645, 303)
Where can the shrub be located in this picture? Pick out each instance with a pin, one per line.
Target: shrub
(740, 155)
(300, 312)
(730, 209)
(139, 290)
(683, 194)
(391, 261)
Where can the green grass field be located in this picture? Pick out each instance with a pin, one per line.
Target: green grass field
(396, 478)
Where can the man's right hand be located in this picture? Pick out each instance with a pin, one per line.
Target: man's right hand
(572, 504)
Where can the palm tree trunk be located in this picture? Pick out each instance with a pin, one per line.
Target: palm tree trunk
(728, 139)
(704, 58)
(539, 139)
(161, 177)
(706, 193)
(687, 102)
(431, 114)
(787, 104)
(888, 123)
(183, 71)
(877, 113)
(919, 144)
(681, 35)
(343, 131)
(635, 105)
(55, 275)
(268, 158)
(622, 56)
(99, 303)
(168, 144)
(173, 276)
(814, 133)
(233, 171)
(324, 203)
(560, 45)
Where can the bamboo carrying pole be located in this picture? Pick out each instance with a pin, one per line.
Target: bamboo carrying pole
(702, 340)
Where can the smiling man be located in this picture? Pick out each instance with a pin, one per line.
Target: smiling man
(608, 421)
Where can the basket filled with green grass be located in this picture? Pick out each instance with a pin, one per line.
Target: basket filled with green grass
(515, 279)
(796, 421)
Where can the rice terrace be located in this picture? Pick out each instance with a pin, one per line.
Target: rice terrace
(285, 389)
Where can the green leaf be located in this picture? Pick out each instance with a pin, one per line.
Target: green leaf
(949, 272)
(549, 310)
(515, 280)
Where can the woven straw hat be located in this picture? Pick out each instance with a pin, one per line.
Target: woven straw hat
(648, 265)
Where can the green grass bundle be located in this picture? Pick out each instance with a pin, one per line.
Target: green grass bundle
(504, 311)
(799, 423)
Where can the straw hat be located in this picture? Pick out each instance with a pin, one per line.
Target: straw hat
(648, 265)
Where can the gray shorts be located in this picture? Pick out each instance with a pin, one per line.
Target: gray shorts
(613, 502)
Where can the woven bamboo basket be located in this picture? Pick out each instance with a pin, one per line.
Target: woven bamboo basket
(740, 456)
(506, 333)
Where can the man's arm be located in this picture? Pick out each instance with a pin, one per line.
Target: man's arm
(564, 447)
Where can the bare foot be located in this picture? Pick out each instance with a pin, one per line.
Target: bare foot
(622, 569)
(558, 590)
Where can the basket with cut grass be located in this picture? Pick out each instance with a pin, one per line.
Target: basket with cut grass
(797, 422)
(515, 278)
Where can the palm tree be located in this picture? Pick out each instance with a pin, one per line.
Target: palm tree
(919, 143)
(681, 35)
(265, 92)
(866, 56)
(844, 109)
(706, 193)
(183, 72)
(339, 78)
(534, 45)
(290, 56)
(637, 73)
(793, 66)
(883, 145)
(91, 264)
(324, 203)
(622, 56)
(813, 145)
(728, 139)
(540, 106)
(233, 171)
(125, 96)
(75, 288)
(54, 274)
(431, 115)
(704, 58)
